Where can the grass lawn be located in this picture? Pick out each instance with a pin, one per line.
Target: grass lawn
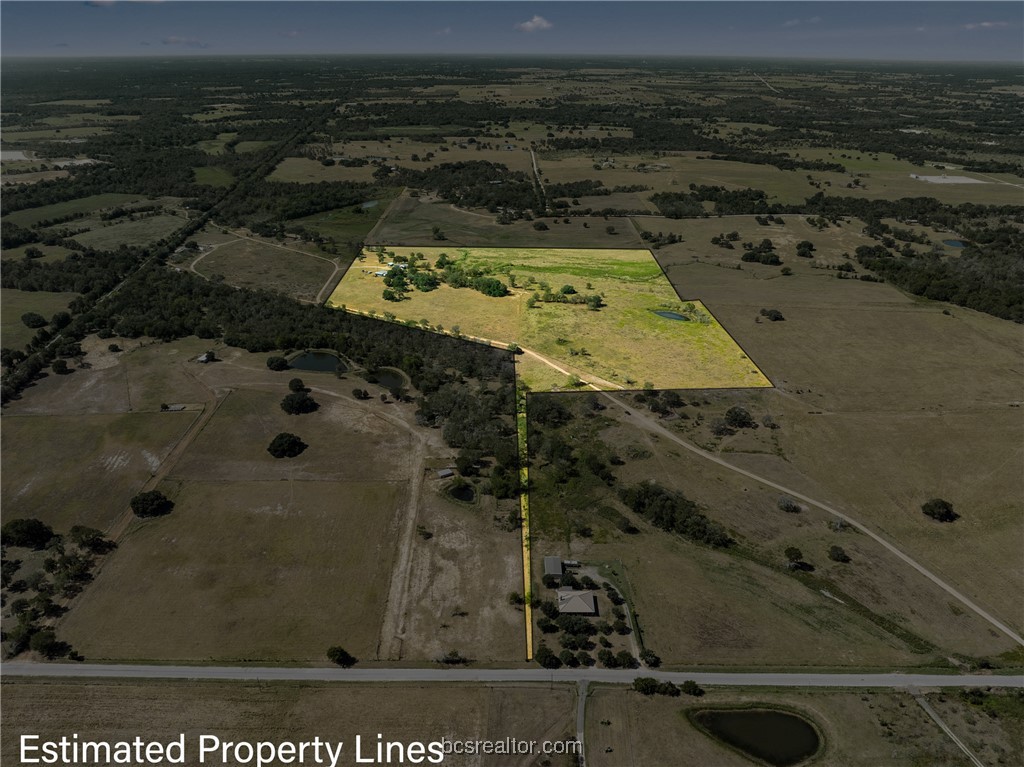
(625, 343)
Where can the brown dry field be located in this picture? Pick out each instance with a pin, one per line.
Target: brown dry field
(409, 221)
(278, 712)
(994, 740)
(885, 402)
(245, 571)
(861, 729)
(251, 264)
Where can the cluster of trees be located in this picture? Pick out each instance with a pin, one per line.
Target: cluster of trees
(762, 253)
(646, 685)
(672, 511)
(471, 184)
(940, 510)
(151, 503)
(286, 445)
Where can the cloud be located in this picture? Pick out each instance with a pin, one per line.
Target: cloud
(443, 32)
(186, 42)
(61, 45)
(986, 25)
(536, 24)
(798, 22)
(290, 33)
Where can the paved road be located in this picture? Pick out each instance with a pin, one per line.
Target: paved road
(253, 673)
(642, 420)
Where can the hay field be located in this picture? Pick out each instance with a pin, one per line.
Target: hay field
(861, 728)
(32, 216)
(252, 264)
(241, 711)
(124, 232)
(626, 344)
(213, 176)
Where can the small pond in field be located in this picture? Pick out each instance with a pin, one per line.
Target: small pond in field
(672, 316)
(954, 243)
(319, 362)
(776, 737)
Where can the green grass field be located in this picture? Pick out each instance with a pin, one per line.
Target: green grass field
(55, 134)
(213, 176)
(216, 145)
(347, 224)
(305, 171)
(14, 303)
(623, 345)
(50, 252)
(32, 216)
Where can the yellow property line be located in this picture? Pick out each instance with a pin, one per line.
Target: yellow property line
(524, 507)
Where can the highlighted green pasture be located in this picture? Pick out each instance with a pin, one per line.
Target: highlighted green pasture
(624, 344)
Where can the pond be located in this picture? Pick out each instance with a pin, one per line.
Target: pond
(776, 737)
(389, 378)
(319, 362)
(463, 492)
(673, 316)
(955, 243)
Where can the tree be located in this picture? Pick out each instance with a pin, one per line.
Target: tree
(610, 229)
(45, 643)
(645, 685)
(546, 658)
(836, 554)
(152, 503)
(286, 445)
(940, 510)
(649, 658)
(772, 314)
(296, 385)
(793, 554)
(540, 226)
(277, 363)
(60, 367)
(691, 688)
(298, 402)
(28, 533)
(33, 320)
(342, 657)
(738, 418)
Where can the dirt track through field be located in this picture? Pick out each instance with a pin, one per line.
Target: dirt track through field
(646, 423)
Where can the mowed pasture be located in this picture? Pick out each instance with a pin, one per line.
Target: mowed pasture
(410, 221)
(50, 252)
(348, 224)
(302, 170)
(249, 263)
(82, 469)
(624, 344)
(880, 394)
(245, 571)
(861, 728)
(110, 711)
(14, 303)
(213, 176)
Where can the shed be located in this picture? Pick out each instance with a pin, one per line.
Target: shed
(445, 474)
(574, 602)
(553, 566)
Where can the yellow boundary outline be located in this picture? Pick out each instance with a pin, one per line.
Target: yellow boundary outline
(524, 512)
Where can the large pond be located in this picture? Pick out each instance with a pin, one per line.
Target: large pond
(319, 362)
(776, 737)
(464, 493)
(954, 243)
(672, 315)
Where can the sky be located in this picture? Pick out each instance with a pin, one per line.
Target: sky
(831, 29)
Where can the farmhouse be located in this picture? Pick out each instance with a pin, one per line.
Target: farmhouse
(572, 602)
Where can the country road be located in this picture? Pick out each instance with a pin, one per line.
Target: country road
(483, 675)
(647, 423)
